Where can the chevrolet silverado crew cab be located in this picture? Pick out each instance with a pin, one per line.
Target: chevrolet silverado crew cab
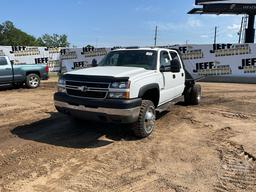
(19, 74)
(128, 86)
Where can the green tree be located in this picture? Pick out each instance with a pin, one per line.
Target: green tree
(54, 40)
(11, 36)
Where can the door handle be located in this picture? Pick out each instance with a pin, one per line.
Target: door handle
(8, 69)
(182, 74)
(174, 76)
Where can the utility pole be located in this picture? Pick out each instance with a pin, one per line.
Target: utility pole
(241, 31)
(245, 25)
(215, 35)
(156, 31)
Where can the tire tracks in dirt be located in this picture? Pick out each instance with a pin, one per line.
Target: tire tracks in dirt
(238, 168)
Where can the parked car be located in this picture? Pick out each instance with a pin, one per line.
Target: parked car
(28, 74)
(128, 86)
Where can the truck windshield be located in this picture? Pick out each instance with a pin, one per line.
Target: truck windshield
(131, 58)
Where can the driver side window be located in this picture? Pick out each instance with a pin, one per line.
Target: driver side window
(164, 59)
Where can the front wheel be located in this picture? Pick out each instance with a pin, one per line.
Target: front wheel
(32, 81)
(146, 121)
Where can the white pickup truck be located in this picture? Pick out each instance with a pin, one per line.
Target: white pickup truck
(128, 86)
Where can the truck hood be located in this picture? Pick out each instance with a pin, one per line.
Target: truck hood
(131, 72)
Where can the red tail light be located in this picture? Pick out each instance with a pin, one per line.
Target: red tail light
(47, 69)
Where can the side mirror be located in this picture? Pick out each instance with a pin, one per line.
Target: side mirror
(94, 63)
(175, 66)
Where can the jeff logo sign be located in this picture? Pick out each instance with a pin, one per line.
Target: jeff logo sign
(236, 60)
(248, 66)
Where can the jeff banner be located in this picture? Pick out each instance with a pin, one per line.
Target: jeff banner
(33, 55)
(222, 62)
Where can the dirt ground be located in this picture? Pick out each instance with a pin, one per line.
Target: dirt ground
(211, 147)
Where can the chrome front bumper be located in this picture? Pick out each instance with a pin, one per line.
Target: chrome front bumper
(110, 114)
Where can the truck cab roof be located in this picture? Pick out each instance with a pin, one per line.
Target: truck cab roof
(145, 48)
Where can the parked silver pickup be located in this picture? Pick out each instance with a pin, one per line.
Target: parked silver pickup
(28, 74)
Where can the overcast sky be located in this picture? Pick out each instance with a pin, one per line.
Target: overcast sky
(119, 22)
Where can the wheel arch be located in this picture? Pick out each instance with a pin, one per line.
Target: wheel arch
(33, 72)
(150, 92)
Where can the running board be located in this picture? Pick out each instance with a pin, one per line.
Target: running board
(3, 85)
(166, 106)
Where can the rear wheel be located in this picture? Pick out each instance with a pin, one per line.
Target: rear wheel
(193, 95)
(187, 95)
(146, 121)
(32, 81)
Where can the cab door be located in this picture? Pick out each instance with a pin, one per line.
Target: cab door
(5, 71)
(168, 89)
(179, 77)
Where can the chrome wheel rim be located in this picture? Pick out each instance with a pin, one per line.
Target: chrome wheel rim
(149, 120)
(199, 96)
(33, 81)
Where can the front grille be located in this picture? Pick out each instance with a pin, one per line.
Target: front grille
(88, 84)
(88, 94)
(92, 90)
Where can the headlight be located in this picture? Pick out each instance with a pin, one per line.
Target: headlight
(120, 85)
(61, 82)
(118, 95)
(119, 90)
(61, 85)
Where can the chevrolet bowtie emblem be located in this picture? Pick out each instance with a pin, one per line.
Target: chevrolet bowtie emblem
(83, 88)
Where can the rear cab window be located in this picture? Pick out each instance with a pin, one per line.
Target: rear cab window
(175, 56)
